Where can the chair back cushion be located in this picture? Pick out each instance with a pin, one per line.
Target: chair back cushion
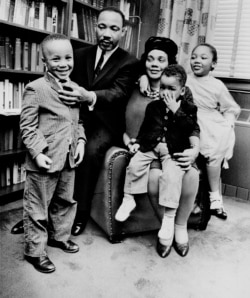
(135, 112)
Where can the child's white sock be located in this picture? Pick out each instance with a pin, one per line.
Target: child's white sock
(127, 206)
(181, 234)
(166, 232)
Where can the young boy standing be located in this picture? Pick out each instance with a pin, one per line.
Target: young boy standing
(55, 140)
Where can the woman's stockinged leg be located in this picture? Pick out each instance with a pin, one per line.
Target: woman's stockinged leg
(190, 186)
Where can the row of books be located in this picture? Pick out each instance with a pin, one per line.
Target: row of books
(39, 14)
(19, 54)
(128, 7)
(83, 24)
(11, 96)
(13, 173)
(96, 3)
(10, 139)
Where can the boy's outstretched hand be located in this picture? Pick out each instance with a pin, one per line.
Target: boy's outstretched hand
(43, 161)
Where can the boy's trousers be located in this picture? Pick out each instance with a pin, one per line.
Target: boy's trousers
(170, 181)
(49, 209)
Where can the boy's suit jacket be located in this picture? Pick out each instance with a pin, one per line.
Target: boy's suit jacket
(47, 125)
(174, 128)
(113, 86)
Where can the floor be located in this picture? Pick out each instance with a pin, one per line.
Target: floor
(218, 264)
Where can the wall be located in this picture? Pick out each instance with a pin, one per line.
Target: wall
(150, 11)
(236, 179)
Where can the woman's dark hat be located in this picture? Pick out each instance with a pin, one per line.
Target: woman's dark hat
(161, 43)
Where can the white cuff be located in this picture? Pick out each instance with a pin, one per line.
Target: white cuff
(92, 105)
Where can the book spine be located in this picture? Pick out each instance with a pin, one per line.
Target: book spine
(2, 52)
(25, 55)
(41, 24)
(31, 18)
(37, 14)
(1, 96)
(33, 56)
(11, 11)
(8, 53)
(18, 54)
(54, 19)
(17, 10)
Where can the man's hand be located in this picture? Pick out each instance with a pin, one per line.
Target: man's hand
(43, 161)
(74, 96)
(80, 148)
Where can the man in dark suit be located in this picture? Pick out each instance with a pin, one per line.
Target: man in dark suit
(105, 89)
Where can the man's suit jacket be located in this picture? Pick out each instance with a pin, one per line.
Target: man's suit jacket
(113, 86)
(174, 128)
(47, 125)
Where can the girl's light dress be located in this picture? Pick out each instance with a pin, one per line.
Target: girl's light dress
(217, 112)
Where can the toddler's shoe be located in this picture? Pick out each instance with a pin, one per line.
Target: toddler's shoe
(125, 209)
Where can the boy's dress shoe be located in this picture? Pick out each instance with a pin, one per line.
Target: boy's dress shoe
(67, 246)
(220, 213)
(163, 250)
(181, 249)
(41, 264)
(18, 228)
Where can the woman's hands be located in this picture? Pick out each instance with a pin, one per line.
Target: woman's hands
(133, 148)
(186, 158)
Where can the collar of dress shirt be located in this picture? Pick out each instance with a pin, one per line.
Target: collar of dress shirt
(106, 56)
(56, 79)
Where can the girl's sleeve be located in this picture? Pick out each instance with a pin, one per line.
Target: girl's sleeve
(228, 107)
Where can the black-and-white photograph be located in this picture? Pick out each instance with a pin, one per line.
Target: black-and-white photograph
(124, 148)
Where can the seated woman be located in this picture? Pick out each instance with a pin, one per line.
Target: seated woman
(159, 53)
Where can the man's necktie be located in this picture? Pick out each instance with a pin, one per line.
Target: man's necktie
(99, 64)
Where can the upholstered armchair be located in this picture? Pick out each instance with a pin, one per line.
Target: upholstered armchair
(109, 189)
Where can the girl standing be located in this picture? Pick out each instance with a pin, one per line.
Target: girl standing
(217, 112)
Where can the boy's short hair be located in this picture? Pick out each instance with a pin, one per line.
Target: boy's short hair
(177, 71)
(50, 37)
(114, 9)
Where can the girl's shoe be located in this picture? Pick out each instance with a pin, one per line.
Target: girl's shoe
(219, 212)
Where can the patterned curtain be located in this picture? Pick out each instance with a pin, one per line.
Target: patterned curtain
(188, 23)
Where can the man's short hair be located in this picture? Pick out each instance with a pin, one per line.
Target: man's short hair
(114, 9)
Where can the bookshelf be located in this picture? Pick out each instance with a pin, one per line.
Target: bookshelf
(23, 25)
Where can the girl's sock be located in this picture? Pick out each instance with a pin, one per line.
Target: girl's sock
(215, 200)
(181, 234)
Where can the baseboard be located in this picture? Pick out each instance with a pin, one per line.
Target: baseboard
(235, 191)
